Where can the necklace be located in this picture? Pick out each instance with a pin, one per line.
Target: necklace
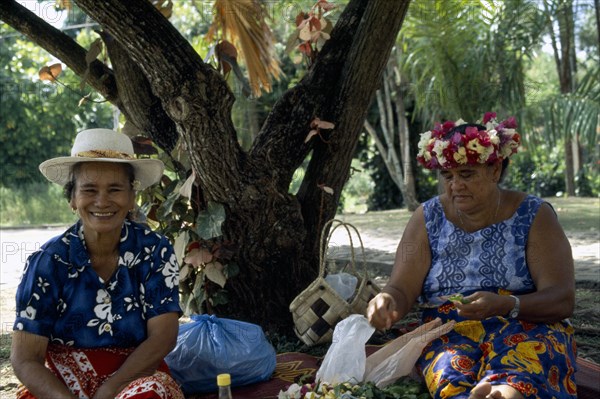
(459, 213)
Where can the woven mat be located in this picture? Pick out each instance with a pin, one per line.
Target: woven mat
(293, 365)
(290, 367)
(588, 379)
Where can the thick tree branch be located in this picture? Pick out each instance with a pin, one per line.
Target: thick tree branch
(200, 107)
(356, 86)
(100, 77)
(287, 126)
(140, 106)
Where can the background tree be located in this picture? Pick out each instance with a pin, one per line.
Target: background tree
(393, 138)
(161, 85)
(573, 114)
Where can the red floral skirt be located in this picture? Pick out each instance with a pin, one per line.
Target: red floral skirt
(83, 371)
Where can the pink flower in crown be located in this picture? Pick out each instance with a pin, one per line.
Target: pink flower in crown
(437, 131)
(448, 125)
(456, 139)
(488, 116)
(510, 123)
(471, 133)
(449, 155)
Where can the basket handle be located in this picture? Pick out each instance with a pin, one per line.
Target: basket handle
(335, 223)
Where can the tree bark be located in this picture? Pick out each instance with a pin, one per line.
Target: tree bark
(566, 76)
(276, 233)
(139, 105)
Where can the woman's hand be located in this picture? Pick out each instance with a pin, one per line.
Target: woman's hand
(107, 391)
(482, 304)
(382, 312)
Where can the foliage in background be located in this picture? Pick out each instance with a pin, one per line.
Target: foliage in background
(463, 58)
(37, 120)
(575, 115)
(538, 173)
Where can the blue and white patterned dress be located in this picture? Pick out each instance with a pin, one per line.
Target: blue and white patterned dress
(61, 296)
(485, 260)
(539, 360)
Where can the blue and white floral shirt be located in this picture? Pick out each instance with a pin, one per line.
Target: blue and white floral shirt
(61, 296)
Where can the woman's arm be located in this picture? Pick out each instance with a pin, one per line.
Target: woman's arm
(550, 263)
(413, 259)
(145, 359)
(27, 356)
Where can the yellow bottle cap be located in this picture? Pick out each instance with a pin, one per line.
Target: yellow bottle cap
(223, 380)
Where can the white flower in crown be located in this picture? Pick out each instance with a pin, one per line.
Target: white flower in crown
(424, 141)
(438, 148)
(494, 139)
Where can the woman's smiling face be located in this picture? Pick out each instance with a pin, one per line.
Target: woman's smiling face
(102, 195)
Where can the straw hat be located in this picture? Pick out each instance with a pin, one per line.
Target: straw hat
(102, 145)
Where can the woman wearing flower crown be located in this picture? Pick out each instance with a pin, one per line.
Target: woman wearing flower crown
(98, 306)
(496, 261)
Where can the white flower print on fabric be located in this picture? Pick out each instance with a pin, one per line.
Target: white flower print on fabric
(112, 285)
(28, 313)
(130, 259)
(166, 300)
(103, 312)
(131, 303)
(170, 270)
(42, 284)
(61, 341)
(61, 307)
(73, 270)
(145, 305)
(148, 251)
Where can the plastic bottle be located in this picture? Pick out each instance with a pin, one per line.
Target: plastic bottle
(224, 383)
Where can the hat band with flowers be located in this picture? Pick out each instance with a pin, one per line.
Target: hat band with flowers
(103, 145)
(443, 147)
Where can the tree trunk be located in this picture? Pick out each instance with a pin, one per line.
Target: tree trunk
(395, 146)
(566, 74)
(276, 233)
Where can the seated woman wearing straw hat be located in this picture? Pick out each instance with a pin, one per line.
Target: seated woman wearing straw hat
(98, 306)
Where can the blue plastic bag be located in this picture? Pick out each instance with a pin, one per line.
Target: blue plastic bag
(208, 346)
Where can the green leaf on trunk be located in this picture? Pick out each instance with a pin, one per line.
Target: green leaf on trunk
(208, 223)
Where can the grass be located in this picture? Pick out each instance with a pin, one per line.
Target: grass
(574, 214)
(35, 204)
(577, 214)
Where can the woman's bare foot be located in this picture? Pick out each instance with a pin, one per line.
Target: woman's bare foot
(484, 390)
(481, 391)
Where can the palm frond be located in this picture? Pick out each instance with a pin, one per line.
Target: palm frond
(243, 22)
(575, 113)
(465, 57)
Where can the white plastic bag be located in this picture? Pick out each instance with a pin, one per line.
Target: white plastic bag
(346, 358)
(343, 283)
(397, 358)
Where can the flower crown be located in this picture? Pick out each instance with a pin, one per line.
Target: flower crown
(439, 150)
